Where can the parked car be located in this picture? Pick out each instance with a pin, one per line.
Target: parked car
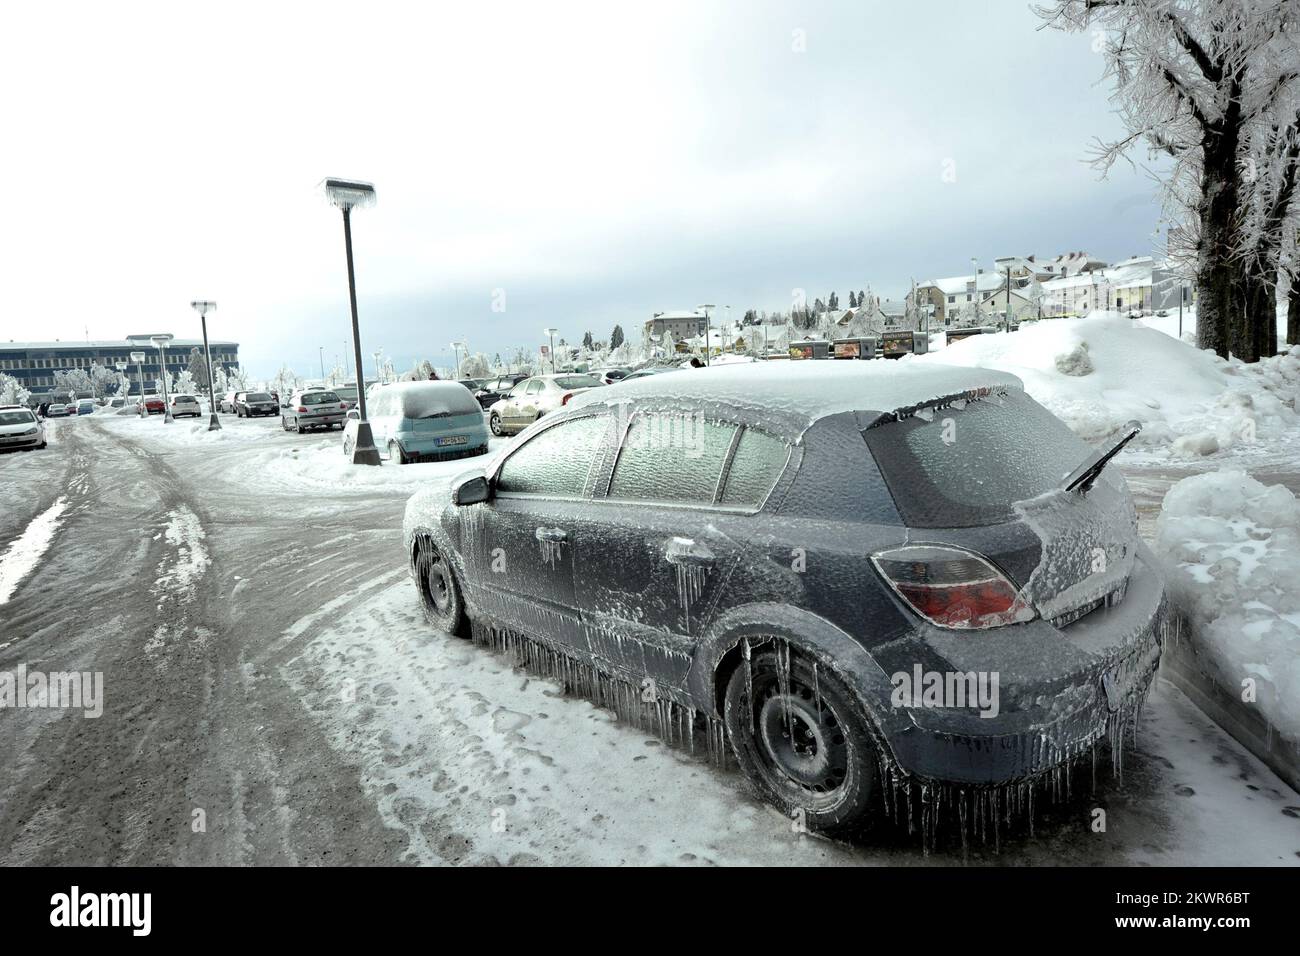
(153, 405)
(86, 406)
(534, 397)
(348, 393)
(57, 410)
(255, 404)
(118, 402)
(473, 384)
(20, 428)
(313, 408)
(495, 389)
(647, 372)
(427, 421)
(185, 406)
(780, 554)
(227, 403)
(611, 376)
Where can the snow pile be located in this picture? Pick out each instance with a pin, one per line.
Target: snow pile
(1231, 547)
(1098, 372)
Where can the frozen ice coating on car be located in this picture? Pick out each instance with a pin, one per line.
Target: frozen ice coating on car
(799, 393)
(431, 399)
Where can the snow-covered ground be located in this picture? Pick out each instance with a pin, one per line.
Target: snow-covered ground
(1098, 372)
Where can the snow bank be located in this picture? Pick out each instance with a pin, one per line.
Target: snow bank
(1098, 372)
(1231, 547)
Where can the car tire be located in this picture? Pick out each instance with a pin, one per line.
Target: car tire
(301, 430)
(440, 594)
(804, 742)
(396, 454)
(494, 423)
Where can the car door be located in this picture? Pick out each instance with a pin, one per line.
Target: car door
(526, 537)
(677, 516)
(509, 412)
(528, 406)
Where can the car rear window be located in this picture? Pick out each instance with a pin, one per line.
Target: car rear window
(258, 397)
(757, 464)
(319, 398)
(671, 458)
(577, 381)
(16, 418)
(966, 466)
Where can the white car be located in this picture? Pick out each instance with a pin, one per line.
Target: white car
(185, 406)
(20, 428)
(534, 397)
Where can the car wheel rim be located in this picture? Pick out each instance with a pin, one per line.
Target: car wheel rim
(436, 579)
(799, 738)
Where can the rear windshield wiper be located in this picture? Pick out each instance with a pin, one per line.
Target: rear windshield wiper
(1083, 477)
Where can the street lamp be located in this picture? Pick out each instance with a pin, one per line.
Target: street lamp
(321, 349)
(551, 333)
(203, 307)
(138, 359)
(455, 348)
(708, 358)
(161, 341)
(345, 194)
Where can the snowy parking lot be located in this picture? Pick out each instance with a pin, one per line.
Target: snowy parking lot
(268, 675)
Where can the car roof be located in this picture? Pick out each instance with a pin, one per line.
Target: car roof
(791, 396)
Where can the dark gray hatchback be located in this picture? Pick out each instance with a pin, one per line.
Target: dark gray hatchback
(867, 579)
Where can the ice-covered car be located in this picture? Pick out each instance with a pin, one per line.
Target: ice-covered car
(427, 421)
(534, 397)
(253, 404)
(872, 580)
(20, 428)
(86, 407)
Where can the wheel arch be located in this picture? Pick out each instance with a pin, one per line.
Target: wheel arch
(721, 650)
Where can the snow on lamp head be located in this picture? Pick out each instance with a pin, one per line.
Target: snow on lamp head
(348, 193)
(203, 307)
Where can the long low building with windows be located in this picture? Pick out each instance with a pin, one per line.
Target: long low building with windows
(33, 364)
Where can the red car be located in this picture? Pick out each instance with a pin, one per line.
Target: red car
(154, 406)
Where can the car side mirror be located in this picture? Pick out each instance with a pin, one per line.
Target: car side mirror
(471, 489)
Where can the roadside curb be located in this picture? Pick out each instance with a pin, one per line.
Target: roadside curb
(1195, 674)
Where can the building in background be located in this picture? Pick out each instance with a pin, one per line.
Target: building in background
(681, 325)
(33, 364)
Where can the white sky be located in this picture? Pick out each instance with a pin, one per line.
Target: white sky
(599, 162)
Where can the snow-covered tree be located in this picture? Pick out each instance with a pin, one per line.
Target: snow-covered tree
(12, 391)
(198, 369)
(183, 383)
(475, 366)
(1205, 83)
(285, 382)
(72, 382)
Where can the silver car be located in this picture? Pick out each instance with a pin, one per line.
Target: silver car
(313, 408)
(20, 428)
(534, 397)
(185, 406)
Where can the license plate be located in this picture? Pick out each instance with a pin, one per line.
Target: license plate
(453, 440)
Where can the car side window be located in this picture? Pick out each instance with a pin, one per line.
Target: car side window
(754, 469)
(671, 458)
(556, 461)
(535, 386)
(517, 391)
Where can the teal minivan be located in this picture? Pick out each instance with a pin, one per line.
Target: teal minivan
(426, 421)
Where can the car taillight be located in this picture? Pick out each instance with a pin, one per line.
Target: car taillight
(302, 410)
(344, 405)
(565, 399)
(952, 588)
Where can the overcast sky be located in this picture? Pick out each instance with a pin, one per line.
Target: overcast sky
(596, 162)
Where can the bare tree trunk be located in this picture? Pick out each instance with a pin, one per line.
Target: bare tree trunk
(1214, 272)
(1293, 311)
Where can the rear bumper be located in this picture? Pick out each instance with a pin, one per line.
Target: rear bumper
(1049, 718)
(445, 453)
(322, 421)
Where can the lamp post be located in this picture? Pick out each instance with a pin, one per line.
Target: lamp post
(321, 349)
(203, 307)
(138, 359)
(455, 349)
(708, 357)
(551, 333)
(161, 341)
(345, 195)
(378, 376)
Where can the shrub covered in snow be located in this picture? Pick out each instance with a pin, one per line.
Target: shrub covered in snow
(1231, 549)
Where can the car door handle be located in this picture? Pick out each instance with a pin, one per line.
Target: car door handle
(686, 551)
(552, 534)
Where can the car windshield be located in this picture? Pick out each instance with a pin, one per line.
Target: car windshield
(319, 398)
(16, 418)
(436, 400)
(577, 381)
(257, 397)
(963, 467)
